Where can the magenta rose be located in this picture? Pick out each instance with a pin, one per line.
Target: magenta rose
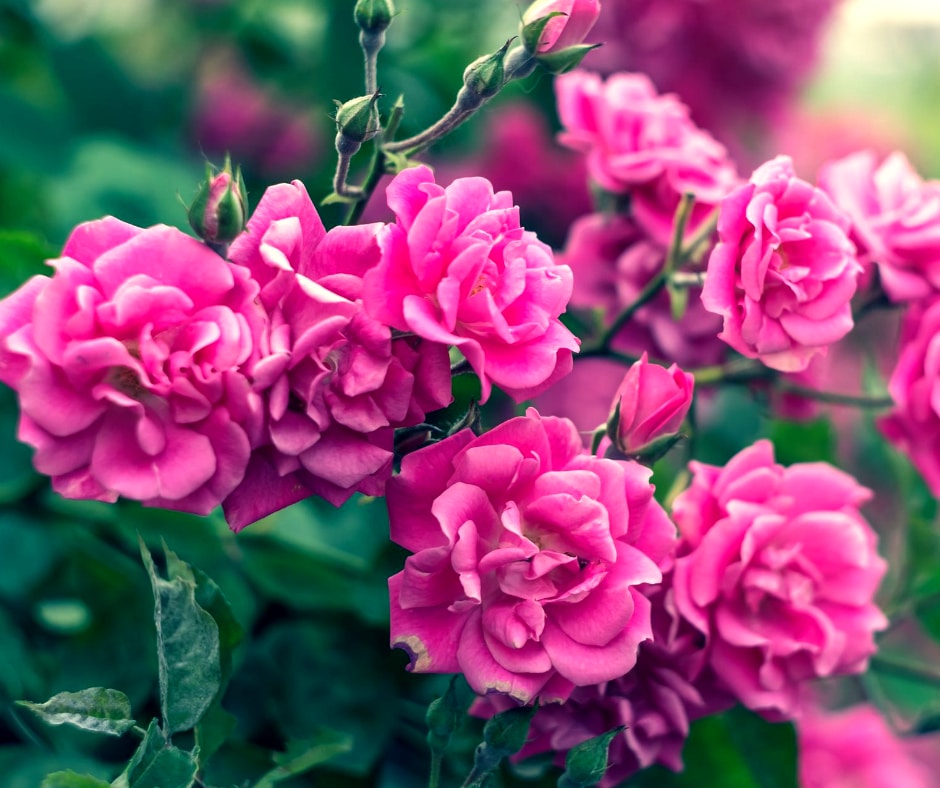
(895, 219)
(651, 403)
(655, 702)
(779, 570)
(613, 260)
(856, 748)
(784, 270)
(335, 383)
(640, 143)
(131, 367)
(458, 269)
(527, 558)
(914, 424)
(564, 31)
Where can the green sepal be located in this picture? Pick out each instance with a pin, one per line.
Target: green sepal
(532, 32)
(564, 59)
(586, 763)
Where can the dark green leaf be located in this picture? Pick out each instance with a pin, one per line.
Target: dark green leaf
(187, 647)
(97, 709)
(301, 756)
(768, 748)
(213, 730)
(170, 768)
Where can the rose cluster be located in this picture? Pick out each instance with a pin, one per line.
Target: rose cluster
(150, 367)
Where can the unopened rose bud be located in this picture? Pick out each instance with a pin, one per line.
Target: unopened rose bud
(483, 78)
(219, 211)
(374, 16)
(357, 121)
(649, 407)
(569, 23)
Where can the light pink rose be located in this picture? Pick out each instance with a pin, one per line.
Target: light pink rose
(779, 570)
(651, 402)
(914, 424)
(895, 219)
(612, 261)
(565, 31)
(640, 143)
(527, 557)
(656, 702)
(458, 269)
(131, 367)
(335, 382)
(855, 748)
(784, 270)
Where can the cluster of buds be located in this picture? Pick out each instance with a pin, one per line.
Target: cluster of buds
(219, 212)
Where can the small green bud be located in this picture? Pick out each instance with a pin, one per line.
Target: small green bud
(220, 209)
(374, 16)
(586, 763)
(506, 733)
(357, 120)
(485, 76)
(443, 718)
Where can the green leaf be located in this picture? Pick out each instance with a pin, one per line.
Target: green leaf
(213, 730)
(170, 768)
(301, 756)
(338, 199)
(188, 660)
(70, 779)
(143, 756)
(768, 748)
(97, 709)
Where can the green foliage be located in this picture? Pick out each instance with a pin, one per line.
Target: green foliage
(97, 709)
(187, 646)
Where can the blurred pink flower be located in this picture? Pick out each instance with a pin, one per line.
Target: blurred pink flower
(895, 219)
(131, 367)
(527, 557)
(779, 570)
(640, 143)
(738, 64)
(914, 424)
(855, 748)
(612, 261)
(335, 382)
(565, 31)
(651, 403)
(784, 271)
(458, 269)
(234, 114)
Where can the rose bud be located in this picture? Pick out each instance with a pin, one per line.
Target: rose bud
(572, 21)
(649, 407)
(218, 213)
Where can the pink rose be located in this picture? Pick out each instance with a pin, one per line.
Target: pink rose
(895, 219)
(914, 424)
(651, 403)
(640, 143)
(130, 364)
(335, 382)
(613, 260)
(779, 571)
(527, 559)
(458, 269)
(784, 270)
(565, 31)
(855, 748)
(656, 702)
